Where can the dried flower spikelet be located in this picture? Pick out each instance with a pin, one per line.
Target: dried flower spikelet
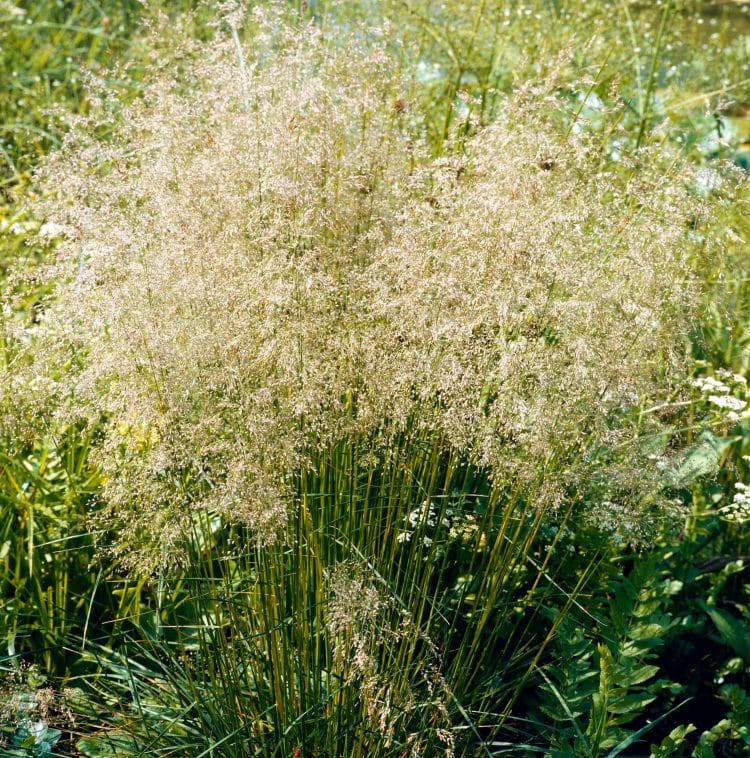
(353, 617)
(30, 706)
(516, 303)
(362, 621)
(233, 12)
(205, 284)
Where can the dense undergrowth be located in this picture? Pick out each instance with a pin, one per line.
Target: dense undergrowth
(374, 379)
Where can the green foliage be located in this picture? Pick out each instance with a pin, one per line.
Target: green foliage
(670, 642)
(647, 66)
(47, 583)
(44, 46)
(664, 653)
(603, 686)
(50, 50)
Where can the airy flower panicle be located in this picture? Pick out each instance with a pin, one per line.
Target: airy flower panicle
(256, 269)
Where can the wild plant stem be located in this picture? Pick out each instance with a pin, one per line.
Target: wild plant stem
(652, 74)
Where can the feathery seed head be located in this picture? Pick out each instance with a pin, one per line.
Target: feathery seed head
(251, 277)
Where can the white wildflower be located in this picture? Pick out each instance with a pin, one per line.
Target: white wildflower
(424, 513)
(727, 401)
(738, 510)
(709, 384)
(729, 376)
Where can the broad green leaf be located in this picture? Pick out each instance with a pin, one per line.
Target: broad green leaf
(701, 459)
(631, 703)
(733, 632)
(107, 747)
(635, 736)
(637, 676)
(672, 742)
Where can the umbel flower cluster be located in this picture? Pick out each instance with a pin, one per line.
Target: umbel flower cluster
(257, 264)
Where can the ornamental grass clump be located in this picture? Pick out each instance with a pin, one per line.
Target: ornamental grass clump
(260, 262)
(369, 399)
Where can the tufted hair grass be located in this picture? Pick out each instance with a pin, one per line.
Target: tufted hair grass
(252, 282)
(348, 396)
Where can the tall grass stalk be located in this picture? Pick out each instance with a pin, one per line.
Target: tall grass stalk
(342, 639)
(45, 547)
(645, 97)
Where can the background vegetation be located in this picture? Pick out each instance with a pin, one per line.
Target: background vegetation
(491, 508)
